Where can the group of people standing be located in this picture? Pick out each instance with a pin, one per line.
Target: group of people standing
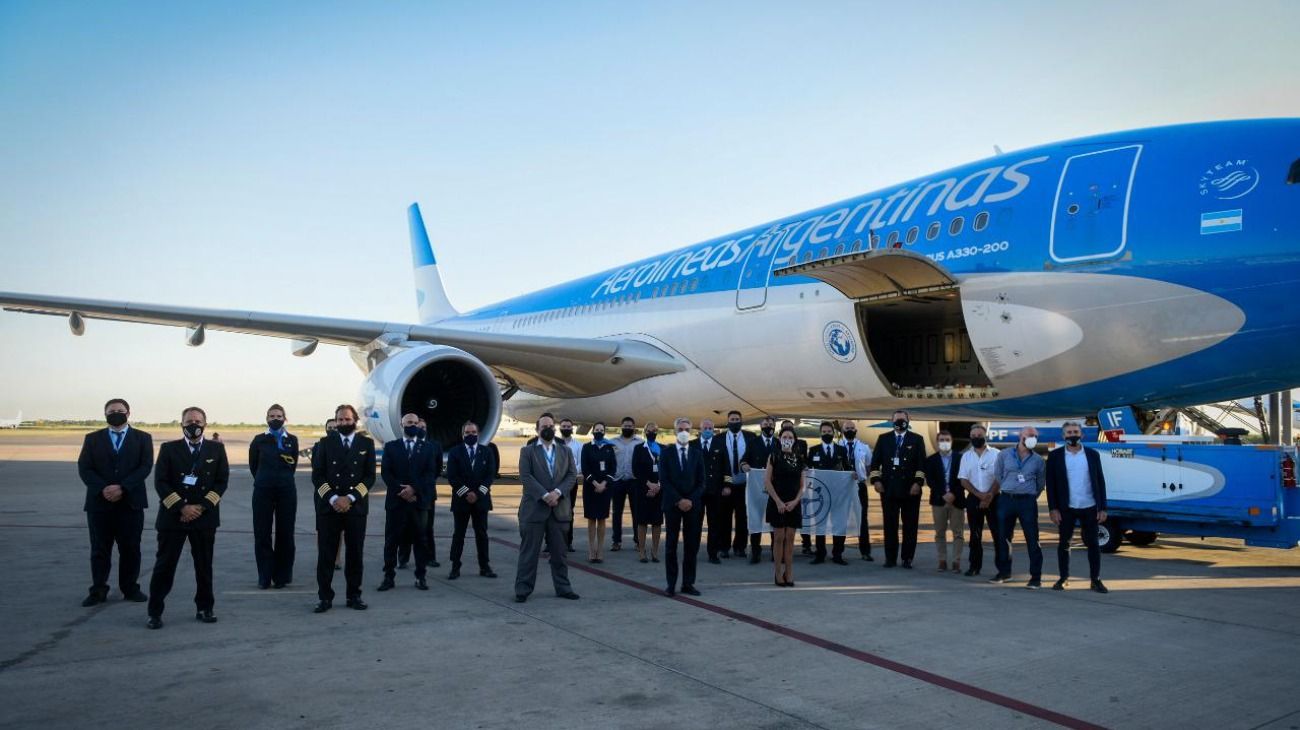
(671, 487)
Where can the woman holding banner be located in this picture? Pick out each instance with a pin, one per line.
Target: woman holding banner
(786, 480)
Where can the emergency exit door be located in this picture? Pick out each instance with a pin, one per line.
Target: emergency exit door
(1090, 213)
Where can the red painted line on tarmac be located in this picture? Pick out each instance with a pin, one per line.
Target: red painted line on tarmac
(865, 657)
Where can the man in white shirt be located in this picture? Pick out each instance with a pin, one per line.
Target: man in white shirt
(860, 462)
(976, 474)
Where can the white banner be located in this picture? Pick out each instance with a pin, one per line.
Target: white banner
(830, 503)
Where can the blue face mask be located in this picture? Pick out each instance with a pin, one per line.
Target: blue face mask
(706, 433)
(412, 431)
(471, 439)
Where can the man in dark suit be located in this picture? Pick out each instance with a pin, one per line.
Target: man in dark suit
(682, 477)
(191, 477)
(343, 472)
(756, 458)
(897, 473)
(734, 446)
(834, 457)
(114, 464)
(710, 448)
(947, 502)
(547, 472)
(1076, 493)
(410, 473)
(470, 471)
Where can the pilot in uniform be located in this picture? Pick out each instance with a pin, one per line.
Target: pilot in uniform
(343, 472)
(273, 459)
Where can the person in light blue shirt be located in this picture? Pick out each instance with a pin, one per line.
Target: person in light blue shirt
(1018, 478)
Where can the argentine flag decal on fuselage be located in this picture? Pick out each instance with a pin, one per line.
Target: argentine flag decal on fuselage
(1223, 221)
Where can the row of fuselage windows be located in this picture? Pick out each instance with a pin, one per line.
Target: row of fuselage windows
(687, 286)
(896, 238)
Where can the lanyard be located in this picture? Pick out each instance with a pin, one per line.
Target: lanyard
(550, 458)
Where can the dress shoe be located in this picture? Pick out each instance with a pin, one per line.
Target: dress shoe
(93, 599)
(401, 565)
(155, 622)
(839, 560)
(1034, 584)
(322, 607)
(690, 591)
(956, 567)
(615, 547)
(755, 559)
(819, 560)
(571, 549)
(356, 604)
(434, 564)
(421, 584)
(570, 595)
(520, 598)
(261, 586)
(1061, 584)
(713, 559)
(455, 572)
(386, 585)
(971, 572)
(890, 564)
(278, 586)
(654, 558)
(739, 554)
(487, 572)
(725, 554)
(868, 558)
(137, 597)
(205, 616)
(943, 566)
(645, 559)
(907, 564)
(338, 566)
(1000, 578)
(1098, 586)
(788, 584)
(670, 592)
(806, 550)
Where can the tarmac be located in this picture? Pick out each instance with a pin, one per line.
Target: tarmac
(1194, 634)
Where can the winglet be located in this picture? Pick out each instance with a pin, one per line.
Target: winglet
(430, 296)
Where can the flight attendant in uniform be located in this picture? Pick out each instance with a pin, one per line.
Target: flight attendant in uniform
(648, 511)
(273, 459)
(190, 477)
(471, 467)
(598, 467)
(343, 472)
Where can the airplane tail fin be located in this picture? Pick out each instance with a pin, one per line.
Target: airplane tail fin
(430, 296)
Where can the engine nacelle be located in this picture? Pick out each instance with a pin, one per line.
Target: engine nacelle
(444, 385)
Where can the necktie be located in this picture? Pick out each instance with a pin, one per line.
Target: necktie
(735, 454)
(410, 448)
(681, 456)
(471, 456)
(117, 439)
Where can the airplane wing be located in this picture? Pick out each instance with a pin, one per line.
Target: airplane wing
(565, 367)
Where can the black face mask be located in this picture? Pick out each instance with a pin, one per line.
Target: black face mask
(116, 419)
(900, 424)
(734, 427)
(275, 424)
(566, 432)
(346, 428)
(767, 431)
(828, 437)
(411, 431)
(1072, 440)
(628, 432)
(193, 430)
(470, 439)
(977, 441)
(651, 435)
(598, 435)
(851, 434)
(547, 433)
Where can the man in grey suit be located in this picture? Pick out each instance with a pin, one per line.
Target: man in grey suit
(547, 471)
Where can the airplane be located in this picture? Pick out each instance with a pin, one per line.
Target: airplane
(1144, 268)
(12, 422)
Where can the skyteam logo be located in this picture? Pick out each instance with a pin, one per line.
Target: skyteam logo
(1229, 180)
(839, 342)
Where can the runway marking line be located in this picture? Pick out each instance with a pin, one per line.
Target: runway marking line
(970, 690)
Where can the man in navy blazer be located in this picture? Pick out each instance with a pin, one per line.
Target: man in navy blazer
(114, 464)
(471, 466)
(410, 473)
(947, 501)
(681, 476)
(1076, 493)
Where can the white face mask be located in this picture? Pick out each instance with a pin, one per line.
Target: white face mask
(683, 437)
(787, 443)
(945, 446)
(1031, 442)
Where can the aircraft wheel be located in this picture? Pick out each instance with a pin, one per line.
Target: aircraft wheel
(1110, 535)
(1141, 539)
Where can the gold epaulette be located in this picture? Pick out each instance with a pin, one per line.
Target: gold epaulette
(324, 490)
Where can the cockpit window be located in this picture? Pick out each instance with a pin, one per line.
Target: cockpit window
(1293, 177)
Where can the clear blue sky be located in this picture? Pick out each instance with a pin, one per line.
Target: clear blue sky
(235, 155)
